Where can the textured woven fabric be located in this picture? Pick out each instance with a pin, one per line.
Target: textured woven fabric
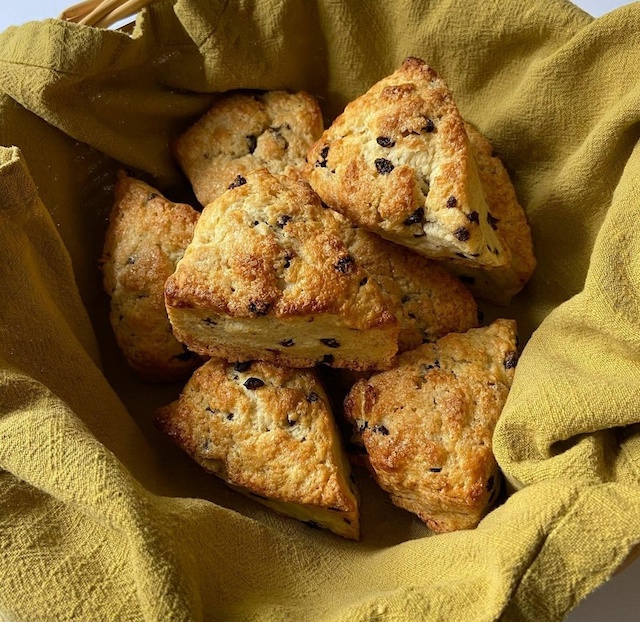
(101, 518)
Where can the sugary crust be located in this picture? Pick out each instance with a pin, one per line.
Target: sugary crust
(242, 133)
(398, 162)
(426, 299)
(500, 284)
(427, 425)
(268, 430)
(268, 249)
(146, 237)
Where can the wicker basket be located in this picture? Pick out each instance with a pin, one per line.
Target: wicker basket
(103, 13)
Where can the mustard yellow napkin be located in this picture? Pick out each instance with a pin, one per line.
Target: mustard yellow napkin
(102, 519)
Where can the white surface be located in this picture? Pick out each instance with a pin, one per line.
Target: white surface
(616, 601)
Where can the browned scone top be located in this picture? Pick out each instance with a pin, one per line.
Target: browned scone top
(500, 284)
(269, 432)
(398, 162)
(241, 133)
(427, 424)
(269, 276)
(427, 300)
(147, 235)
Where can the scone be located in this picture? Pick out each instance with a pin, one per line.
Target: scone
(500, 284)
(147, 235)
(242, 133)
(268, 276)
(398, 162)
(269, 433)
(427, 424)
(427, 300)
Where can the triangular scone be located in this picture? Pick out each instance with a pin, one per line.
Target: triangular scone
(397, 161)
(427, 300)
(427, 424)
(269, 432)
(268, 276)
(508, 218)
(147, 235)
(242, 133)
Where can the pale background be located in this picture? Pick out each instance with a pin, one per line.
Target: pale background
(616, 601)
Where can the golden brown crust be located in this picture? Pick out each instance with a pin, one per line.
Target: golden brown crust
(242, 133)
(500, 284)
(146, 237)
(398, 162)
(269, 431)
(426, 299)
(267, 257)
(427, 425)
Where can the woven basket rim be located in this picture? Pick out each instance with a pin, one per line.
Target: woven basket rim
(103, 13)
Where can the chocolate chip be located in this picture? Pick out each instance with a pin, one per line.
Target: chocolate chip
(362, 426)
(385, 141)
(493, 221)
(291, 421)
(258, 308)
(243, 366)
(287, 343)
(434, 365)
(287, 261)
(255, 223)
(324, 153)
(330, 343)
(213, 411)
(510, 360)
(474, 217)
(230, 416)
(253, 383)
(412, 315)
(363, 282)
(283, 220)
(435, 469)
(490, 483)
(429, 127)
(469, 280)
(238, 181)
(327, 359)
(415, 218)
(252, 142)
(209, 322)
(151, 196)
(380, 429)
(312, 397)
(345, 264)
(462, 234)
(131, 261)
(383, 166)
(452, 201)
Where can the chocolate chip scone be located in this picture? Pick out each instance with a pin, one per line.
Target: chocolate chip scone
(398, 162)
(507, 216)
(242, 133)
(427, 300)
(427, 425)
(147, 235)
(269, 276)
(268, 432)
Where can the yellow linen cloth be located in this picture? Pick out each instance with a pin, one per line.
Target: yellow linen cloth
(101, 518)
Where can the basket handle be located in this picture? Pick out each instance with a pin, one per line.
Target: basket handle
(103, 13)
